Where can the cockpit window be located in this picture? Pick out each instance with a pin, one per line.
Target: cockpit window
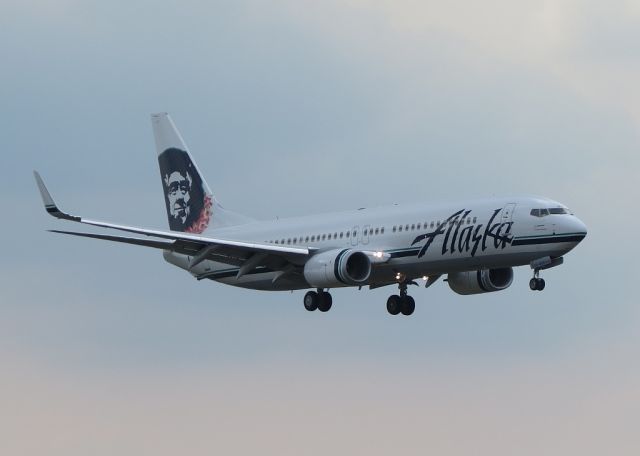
(551, 210)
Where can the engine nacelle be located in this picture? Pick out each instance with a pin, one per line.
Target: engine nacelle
(337, 268)
(482, 281)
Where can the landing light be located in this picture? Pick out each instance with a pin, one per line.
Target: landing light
(377, 254)
(398, 275)
(425, 278)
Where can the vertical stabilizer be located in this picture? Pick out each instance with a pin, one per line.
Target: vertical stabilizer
(191, 207)
(188, 198)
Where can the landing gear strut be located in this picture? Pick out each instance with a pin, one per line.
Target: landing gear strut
(320, 300)
(403, 303)
(536, 283)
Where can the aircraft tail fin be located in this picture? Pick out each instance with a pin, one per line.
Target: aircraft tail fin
(191, 206)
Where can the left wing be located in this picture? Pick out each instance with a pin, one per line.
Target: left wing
(237, 253)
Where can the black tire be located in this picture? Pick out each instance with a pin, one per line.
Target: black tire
(408, 305)
(541, 284)
(394, 303)
(533, 284)
(325, 301)
(311, 301)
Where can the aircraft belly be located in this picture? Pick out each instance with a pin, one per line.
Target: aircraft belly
(264, 281)
(436, 263)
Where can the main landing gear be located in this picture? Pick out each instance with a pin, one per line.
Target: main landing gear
(320, 300)
(536, 283)
(403, 303)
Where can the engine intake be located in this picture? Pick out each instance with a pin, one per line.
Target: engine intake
(482, 281)
(337, 268)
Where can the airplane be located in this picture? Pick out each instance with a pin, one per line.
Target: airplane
(475, 244)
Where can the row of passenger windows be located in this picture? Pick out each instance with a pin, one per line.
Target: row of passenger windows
(328, 237)
(551, 210)
(419, 226)
(368, 232)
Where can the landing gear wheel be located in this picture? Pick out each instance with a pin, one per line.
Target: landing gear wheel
(311, 301)
(537, 284)
(408, 305)
(325, 301)
(533, 284)
(394, 304)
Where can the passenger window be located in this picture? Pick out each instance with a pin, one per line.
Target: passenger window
(377, 230)
(475, 219)
(335, 235)
(341, 234)
(394, 228)
(382, 230)
(365, 232)
(354, 233)
(413, 226)
(400, 228)
(406, 227)
(348, 233)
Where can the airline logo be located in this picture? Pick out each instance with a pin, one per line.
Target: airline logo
(188, 205)
(461, 236)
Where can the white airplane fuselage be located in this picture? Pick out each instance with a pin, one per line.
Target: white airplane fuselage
(464, 236)
(475, 243)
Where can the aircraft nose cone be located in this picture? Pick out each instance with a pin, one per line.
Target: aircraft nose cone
(579, 228)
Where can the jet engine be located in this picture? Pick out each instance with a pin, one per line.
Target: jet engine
(337, 268)
(482, 281)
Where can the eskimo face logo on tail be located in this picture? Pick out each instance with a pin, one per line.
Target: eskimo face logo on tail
(460, 236)
(188, 205)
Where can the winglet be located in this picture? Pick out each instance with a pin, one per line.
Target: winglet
(49, 204)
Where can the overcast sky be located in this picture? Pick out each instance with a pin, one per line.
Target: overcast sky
(295, 107)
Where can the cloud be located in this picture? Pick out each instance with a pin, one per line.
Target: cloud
(299, 406)
(322, 106)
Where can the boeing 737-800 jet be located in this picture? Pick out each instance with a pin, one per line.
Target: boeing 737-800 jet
(475, 244)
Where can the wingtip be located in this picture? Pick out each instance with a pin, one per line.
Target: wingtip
(49, 204)
(44, 192)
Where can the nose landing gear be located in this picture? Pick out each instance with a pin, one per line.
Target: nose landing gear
(536, 283)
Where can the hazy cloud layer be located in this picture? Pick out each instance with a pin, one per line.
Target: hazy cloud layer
(300, 107)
